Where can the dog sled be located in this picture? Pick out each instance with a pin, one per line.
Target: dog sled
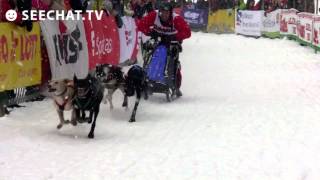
(161, 64)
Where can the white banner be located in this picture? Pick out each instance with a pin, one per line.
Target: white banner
(249, 22)
(271, 22)
(288, 22)
(305, 26)
(316, 31)
(128, 39)
(67, 48)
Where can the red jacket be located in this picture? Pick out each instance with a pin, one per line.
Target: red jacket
(146, 23)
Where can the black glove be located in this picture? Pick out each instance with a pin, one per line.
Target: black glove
(154, 34)
(166, 39)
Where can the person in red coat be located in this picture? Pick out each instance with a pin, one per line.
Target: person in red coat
(169, 27)
(165, 23)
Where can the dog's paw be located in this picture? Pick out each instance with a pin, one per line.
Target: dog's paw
(67, 122)
(89, 120)
(74, 122)
(132, 120)
(91, 135)
(59, 126)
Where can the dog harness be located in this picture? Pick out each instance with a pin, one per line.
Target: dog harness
(89, 101)
(65, 100)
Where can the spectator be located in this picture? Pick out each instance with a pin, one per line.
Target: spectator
(265, 4)
(6, 5)
(239, 4)
(225, 4)
(283, 4)
(79, 5)
(118, 6)
(201, 4)
(41, 4)
(57, 5)
(300, 6)
(109, 9)
(251, 5)
(269, 6)
(290, 4)
(214, 5)
(310, 6)
(149, 6)
(141, 8)
(19, 6)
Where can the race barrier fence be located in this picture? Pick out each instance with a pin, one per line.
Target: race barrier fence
(221, 21)
(302, 27)
(76, 47)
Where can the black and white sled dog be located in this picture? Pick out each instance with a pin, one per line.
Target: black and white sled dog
(88, 96)
(112, 79)
(135, 84)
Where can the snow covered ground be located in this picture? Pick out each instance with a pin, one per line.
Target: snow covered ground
(250, 111)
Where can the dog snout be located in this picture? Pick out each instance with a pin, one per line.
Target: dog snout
(51, 88)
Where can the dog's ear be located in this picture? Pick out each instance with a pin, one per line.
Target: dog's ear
(98, 66)
(88, 76)
(75, 78)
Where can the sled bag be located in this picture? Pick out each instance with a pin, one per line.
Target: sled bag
(157, 65)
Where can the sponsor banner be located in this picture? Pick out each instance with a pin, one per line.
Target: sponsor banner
(249, 23)
(316, 31)
(221, 21)
(128, 39)
(271, 24)
(305, 27)
(288, 22)
(197, 18)
(20, 56)
(103, 41)
(67, 48)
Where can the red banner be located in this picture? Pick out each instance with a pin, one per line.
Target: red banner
(103, 40)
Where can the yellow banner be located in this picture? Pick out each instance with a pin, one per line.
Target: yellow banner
(20, 56)
(221, 21)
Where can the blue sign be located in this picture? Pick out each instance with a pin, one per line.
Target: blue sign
(197, 18)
